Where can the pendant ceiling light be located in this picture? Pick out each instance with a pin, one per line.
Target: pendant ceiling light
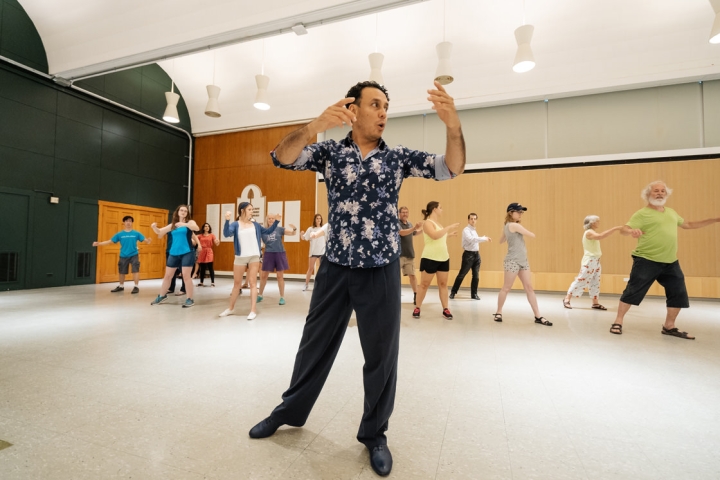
(262, 81)
(524, 59)
(212, 109)
(171, 111)
(443, 73)
(376, 60)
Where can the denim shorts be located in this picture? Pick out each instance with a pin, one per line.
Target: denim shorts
(177, 261)
(645, 272)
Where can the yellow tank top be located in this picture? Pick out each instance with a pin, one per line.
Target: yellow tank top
(591, 248)
(435, 249)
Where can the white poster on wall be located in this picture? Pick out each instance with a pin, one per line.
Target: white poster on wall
(212, 216)
(227, 207)
(253, 194)
(292, 217)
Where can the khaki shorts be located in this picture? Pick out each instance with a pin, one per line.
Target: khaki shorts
(240, 261)
(407, 266)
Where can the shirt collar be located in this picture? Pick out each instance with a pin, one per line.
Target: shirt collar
(349, 142)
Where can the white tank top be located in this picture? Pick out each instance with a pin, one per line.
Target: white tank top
(248, 242)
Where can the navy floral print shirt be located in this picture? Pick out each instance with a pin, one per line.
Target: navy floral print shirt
(363, 196)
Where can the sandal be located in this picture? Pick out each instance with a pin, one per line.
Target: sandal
(543, 321)
(616, 329)
(497, 317)
(676, 333)
(597, 306)
(566, 304)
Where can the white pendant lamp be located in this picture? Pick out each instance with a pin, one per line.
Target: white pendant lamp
(524, 59)
(212, 109)
(376, 61)
(443, 74)
(715, 32)
(261, 98)
(171, 111)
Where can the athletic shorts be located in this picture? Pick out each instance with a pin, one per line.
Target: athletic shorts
(433, 266)
(273, 261)
(244, 261)
(645, 272)
(125, 262)
(407, 266)
(512, 266)
(177, 261)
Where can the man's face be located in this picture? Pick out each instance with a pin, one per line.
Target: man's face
(128, 224)
(404, 214)
(472, 220)
(658, 195)
(371, 114)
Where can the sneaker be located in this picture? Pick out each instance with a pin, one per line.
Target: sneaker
(305, 288)
(452, 295)
(189, 302)
(447, 314)
(282, 301)
(160, 299)
(259, 298)
(135, 290)
(251, 315)
(227, 312)
(416, 313)
(117, 289)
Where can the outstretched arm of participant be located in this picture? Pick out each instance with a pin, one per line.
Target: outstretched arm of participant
(290, 147)
(147, 240)
(444, 105)
(593, 235)
(633, 232)
(106, 242)
(434, 233)
(290, 231)
(699, 223)
(517, 228)
(161, 231)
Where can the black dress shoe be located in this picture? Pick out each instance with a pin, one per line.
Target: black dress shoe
(265, 428)
(452, 295)
(381, 460)
(476, 297)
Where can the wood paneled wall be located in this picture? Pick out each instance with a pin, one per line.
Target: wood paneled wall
(558, 200)
(225, 164)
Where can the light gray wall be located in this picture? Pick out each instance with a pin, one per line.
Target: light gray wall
(664, 118)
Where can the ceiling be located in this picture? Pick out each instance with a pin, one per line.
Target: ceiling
(580, 47)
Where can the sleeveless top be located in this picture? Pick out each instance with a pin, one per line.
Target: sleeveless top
(591, 248)
(516, 247)
(180, 241)
(435, 249)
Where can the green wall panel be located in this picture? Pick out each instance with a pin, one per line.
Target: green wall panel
(119, 187)
(125, 87)
(119, 153)
(83, 227)
(76, 179)
(26, 128)
(49, 242)
(18, 88)
(78, 142)
(15, 215)
(19, 39)
(121, 125)
(27, 170)
(80, 110)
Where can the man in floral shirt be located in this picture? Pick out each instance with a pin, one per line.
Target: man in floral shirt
(363, 177)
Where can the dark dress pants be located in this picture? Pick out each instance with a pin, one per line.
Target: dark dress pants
(469, 260)
(374, 294)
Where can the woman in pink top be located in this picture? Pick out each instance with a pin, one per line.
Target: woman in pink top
(206, 255)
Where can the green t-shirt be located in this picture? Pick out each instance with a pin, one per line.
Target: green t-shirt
(659, 239)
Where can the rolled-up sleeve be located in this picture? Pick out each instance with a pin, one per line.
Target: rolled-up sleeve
(313, 157)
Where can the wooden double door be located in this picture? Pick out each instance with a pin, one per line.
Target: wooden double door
(152, 256)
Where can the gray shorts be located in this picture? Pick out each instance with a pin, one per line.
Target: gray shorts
(124, 263)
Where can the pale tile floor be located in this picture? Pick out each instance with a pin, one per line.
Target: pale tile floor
(98, 385)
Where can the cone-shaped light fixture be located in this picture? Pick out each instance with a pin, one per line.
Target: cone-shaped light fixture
(376, 61)
(524, 59)
(443, 74)
(715, 32)
(212, 109)
(171, 112)
(261, 99)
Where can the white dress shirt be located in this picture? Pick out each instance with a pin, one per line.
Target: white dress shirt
(471, 240)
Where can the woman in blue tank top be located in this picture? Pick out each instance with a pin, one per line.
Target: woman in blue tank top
(180, 252)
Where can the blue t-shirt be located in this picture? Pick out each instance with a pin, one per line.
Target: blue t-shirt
(180, 241)
(128, 242)
(273, 241)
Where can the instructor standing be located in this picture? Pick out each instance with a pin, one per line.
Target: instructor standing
(471, 258)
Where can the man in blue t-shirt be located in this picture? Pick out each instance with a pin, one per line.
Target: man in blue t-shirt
(128, 239)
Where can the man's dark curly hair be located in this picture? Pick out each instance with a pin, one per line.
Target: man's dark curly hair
(356, 90)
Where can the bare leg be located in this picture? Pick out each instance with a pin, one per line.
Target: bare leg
(507, 286)
(263, 280)
(169, 274)
(281, 283)
(136, 278)
(187, 276)
(122, 279)
(525, 278)
(425, 279)
(623, 309)
(413, 283)
(252, 281)
(310, 270)
(442, 278)
(238, 271)
(672, 314)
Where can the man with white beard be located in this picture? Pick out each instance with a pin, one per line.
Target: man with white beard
(655, 257)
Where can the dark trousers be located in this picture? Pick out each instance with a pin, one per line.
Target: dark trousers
(209, 267)
(469, 260)
(374, 294)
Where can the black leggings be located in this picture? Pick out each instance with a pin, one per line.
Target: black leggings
(209, 266)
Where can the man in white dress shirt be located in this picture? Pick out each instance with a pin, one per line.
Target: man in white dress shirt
(471, 258)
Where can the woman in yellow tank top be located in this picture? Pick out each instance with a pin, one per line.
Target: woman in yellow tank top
(435, 258)
(589, 276)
